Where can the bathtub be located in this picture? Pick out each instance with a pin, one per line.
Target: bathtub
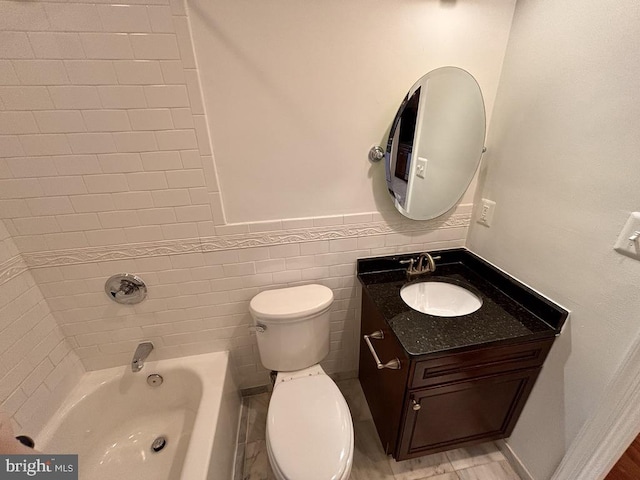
(113, 416)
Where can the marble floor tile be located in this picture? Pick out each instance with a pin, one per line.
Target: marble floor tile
(422, 467)
(475, 455)
(352, 392)
(489, 471)
(256, 462)
(445, 476)
(257, 417)
(369, 460)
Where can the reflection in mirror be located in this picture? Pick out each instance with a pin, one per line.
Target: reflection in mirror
(435, 143)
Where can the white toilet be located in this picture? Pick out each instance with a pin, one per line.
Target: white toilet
(309, 428)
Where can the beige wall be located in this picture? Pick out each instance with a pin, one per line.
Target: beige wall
(562, 167)
(297, 92)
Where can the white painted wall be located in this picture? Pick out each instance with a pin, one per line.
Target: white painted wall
(562, 166)
(297, 92)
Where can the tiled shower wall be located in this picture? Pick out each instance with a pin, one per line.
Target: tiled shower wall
(37, 365)
(106, 167)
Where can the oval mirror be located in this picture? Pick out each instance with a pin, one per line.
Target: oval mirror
(435, 144)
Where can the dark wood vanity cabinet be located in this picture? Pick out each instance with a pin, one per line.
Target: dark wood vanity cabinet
(442, 401)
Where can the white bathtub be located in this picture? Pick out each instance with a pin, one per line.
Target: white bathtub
(113, 416)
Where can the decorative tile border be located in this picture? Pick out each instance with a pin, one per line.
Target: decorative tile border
(12, 268)
(21, 263)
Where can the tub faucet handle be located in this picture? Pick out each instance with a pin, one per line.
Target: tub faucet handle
(140, 355)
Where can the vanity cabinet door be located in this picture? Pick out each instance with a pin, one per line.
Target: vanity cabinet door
(463, 413)
(384, 388)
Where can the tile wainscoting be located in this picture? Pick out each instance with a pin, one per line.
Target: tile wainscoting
(199, 288)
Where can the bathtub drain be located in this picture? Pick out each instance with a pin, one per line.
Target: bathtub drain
(158, 444)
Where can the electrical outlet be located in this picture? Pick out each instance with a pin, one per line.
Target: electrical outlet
(485, 216)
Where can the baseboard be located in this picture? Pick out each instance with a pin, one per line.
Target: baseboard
(514, 461)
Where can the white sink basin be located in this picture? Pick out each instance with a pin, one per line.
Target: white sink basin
(440, 299)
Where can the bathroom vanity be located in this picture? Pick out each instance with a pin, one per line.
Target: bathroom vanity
(433, 382)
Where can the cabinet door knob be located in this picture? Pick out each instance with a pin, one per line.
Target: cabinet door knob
(415, 405)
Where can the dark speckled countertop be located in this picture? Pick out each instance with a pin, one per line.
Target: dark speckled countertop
(510, 312)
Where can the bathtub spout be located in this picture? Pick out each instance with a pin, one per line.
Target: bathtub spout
(141, 354)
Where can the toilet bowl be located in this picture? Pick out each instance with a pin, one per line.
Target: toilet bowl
(309, 427)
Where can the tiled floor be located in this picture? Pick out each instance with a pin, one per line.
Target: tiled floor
(482, 462)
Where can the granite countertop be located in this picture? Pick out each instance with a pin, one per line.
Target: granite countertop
(510, 312)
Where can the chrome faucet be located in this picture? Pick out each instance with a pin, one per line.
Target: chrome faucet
(140, 355)
(420, 268)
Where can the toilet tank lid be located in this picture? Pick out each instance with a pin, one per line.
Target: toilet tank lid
(291, 303)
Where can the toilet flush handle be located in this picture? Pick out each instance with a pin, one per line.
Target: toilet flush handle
(258, 328)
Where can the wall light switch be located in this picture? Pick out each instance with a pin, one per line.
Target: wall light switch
(421, 167)
(485, 217)
(629, 240)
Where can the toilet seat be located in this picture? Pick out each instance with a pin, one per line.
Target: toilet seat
(309, 430)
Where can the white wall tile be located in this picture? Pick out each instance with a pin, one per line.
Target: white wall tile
(105, 46)
(77, 164)
(23, 16)
(91, 72)
(26, 98)
(72, 97)
(41, 72)
(91, 143)
(17, 122)
(15, 45)
(49, 144)
(147, 181)
(108, 183)
(166, 96)
(183, 34)
(62, 185)
(56, 45)
(171, 198)
(173, 72)
(124, 18)
(176, 140)
(59, 121)
(122, 97)
(151, 119)
(161, 19)
(20, 188)
(73, 17)
(135, 141)
(78, 222)
(8, 75)
(152, 161)
(185, 178)
(182, 118)
(104, 120)
(92, 203)
(155, 46)
(10, 146)
(139, 72)
(24, 167)
(120, 162)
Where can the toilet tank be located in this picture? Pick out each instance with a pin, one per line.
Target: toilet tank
(296, 326)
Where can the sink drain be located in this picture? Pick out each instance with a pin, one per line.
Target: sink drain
(158, 444)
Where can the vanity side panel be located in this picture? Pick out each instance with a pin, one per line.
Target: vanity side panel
(384, 389)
